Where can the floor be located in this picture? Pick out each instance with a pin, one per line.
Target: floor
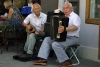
(6, 60)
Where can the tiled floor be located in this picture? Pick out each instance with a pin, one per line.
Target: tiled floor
(6, 60)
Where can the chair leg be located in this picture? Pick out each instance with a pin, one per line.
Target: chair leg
(5, 46)
(74, 54)
(16, 44)
(2, 50)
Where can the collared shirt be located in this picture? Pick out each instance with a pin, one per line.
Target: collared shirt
(36, 21)
(74, 19)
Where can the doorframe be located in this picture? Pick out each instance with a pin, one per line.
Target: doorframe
(99, 44)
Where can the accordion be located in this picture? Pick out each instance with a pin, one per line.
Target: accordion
(55, 22)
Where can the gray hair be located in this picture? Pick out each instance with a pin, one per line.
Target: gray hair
(33, 6)
(68, 4)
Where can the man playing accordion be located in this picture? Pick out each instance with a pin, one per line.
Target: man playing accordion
(58, 47)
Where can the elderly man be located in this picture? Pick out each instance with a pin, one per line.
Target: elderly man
(36, 20)
(58, 47)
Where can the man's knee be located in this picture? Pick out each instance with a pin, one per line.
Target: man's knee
(47, 39)
(32, 37)
(55, 45)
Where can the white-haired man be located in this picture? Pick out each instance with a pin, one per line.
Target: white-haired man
(58, 47)
(37, 19)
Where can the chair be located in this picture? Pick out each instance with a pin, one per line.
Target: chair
(73, 52)
(12, 35)
(37, 46)
(73, 49)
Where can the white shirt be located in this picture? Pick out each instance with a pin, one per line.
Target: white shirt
(74, 19)
(37, 22)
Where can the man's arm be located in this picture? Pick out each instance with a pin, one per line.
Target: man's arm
(44, 21)
(70, 28)
(28, 27)
(42, 29)
(25, 25)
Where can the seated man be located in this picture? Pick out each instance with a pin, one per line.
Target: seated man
(34, 20)
(58, 47)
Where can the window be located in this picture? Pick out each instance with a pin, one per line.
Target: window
(92, 11)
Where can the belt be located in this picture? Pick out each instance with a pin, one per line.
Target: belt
(73, 36)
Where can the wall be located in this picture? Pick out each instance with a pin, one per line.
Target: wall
(60, 4)
(49, 5)
(89, 35)
(19, 3)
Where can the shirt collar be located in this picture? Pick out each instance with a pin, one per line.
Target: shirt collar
(36, 16)
(70, 14)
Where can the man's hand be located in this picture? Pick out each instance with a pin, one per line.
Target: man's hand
(60, 29)
(36, 32)
(28, 29)
(40, 32)
(33, 28)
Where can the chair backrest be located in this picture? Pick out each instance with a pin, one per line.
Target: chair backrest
(49, 14)
(47, 29)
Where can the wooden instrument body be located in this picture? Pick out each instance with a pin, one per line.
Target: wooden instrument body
(32, 29)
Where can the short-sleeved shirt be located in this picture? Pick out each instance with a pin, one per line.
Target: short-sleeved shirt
(37, 22)
(74, 19)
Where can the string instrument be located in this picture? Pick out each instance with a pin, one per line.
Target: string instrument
(33, 29)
